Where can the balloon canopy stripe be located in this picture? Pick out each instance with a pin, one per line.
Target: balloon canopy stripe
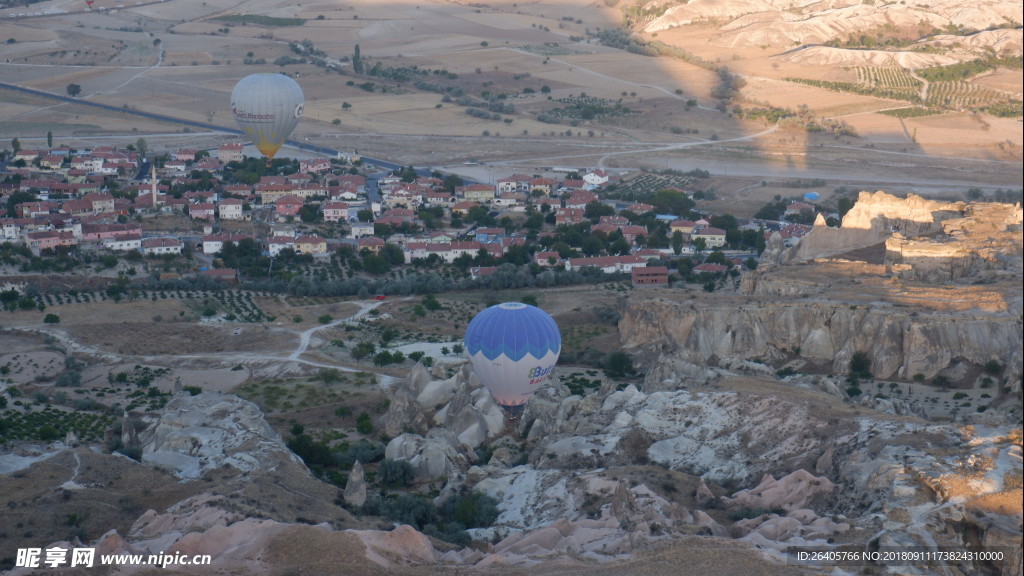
(514, 332)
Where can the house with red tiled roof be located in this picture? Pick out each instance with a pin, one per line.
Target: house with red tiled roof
(570, 216)
(214, 243)
(546, 259)
(708, 268)
(798, 207)
(230, 152)
(28, 155)
(34, 209)
(210, 164)
(617, 221)
(437, 198)
(463, 207)
(572, 184)
(371, 243)
(278, 243)
(604, 228)
(640, 208)
(683, 226)
(580, 199)
(336, 212)
(124, 242)
(650, 276)
(310, 244)
(231, 209)
(543, 186)
(157, 246)
(41, 241)
(202, 211)
(314, 165)
(76, 207)
(185, 155)
(632, 232)
(51, 162)
(476, 192)
(101, 232)
(596, 177)
(287, 205)
(359, 182)
(101, 201)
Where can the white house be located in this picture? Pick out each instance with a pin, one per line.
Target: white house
(124, 243)
(156, 246)
(230, 209)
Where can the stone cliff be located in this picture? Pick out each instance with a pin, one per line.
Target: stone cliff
(924, 239)
(900, 341)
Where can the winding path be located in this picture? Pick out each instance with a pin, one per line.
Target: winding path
(305, 338)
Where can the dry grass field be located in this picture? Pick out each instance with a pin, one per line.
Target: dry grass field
(177, 58)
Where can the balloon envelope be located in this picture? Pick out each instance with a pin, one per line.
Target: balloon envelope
(267, 107)
(513, 348)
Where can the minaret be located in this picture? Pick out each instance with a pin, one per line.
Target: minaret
(152, 181)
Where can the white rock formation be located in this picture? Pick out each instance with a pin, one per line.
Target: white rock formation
(210, 430)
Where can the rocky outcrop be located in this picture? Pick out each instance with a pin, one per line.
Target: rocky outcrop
(900, 341)
(432, 457)
(355, 487)
(405, 414)
(210, 430)
(797, 490)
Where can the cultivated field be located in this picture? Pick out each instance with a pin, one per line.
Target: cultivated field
(181, 58)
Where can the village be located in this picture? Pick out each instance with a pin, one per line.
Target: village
(193, 203)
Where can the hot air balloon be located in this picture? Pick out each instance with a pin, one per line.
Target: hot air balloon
(267, 107)
(513, 348)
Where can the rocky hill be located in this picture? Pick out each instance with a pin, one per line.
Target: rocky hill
(785, 23)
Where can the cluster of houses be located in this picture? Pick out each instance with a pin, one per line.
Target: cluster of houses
(72, 205)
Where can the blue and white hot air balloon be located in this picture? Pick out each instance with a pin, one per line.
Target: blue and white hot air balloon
(513, 348)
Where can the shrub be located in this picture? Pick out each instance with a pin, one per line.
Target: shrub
(51, 319)
(396, 473)
(364, 424)
(749, 512)
(618, 364)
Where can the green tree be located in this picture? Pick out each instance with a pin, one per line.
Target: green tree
(618, 364)
(375, 264)
(364, 424)
(357, 60)
(860, 364)
(51, 319)
(677, 242)
(407, 174)
(141, 147)
(73, 90)
(16, 145)
(49, 138)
